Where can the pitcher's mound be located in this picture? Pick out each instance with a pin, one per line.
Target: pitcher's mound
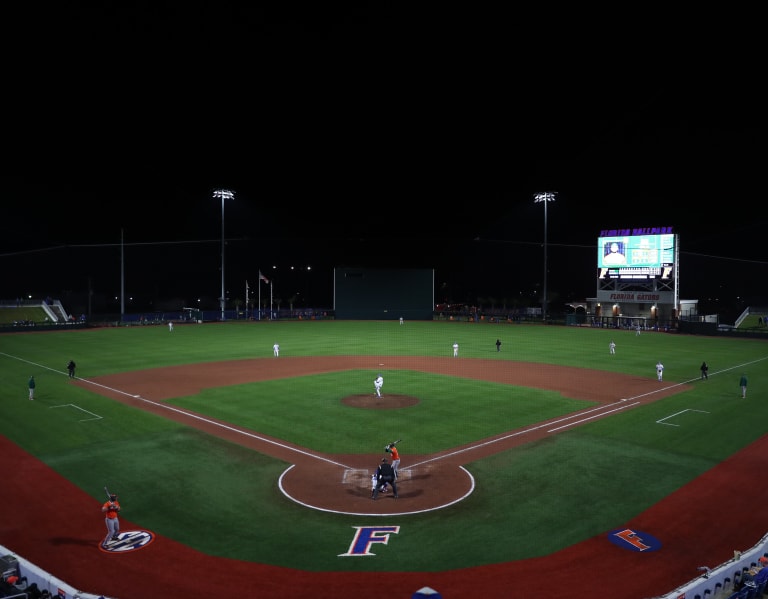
(385, 402)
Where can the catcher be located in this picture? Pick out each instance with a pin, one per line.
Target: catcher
(374, 483)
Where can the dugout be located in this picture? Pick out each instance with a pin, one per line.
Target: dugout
(383, 294)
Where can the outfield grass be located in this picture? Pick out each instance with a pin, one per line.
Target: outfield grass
(544, 496)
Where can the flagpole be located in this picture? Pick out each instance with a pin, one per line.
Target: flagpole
(246, 299)
(270, 299)
(259, 295)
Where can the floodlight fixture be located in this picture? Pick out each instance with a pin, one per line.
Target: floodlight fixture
(545, 197)
(224, 194)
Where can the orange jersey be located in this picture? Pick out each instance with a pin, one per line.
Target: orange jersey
(111, 508)
(394, 452)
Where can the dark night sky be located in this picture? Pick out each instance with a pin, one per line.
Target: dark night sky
(360, 139)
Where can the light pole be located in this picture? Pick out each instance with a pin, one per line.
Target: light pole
(224, 194)
(546, 197)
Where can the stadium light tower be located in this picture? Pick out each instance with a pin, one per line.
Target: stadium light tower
(546, 197)
(224, 194)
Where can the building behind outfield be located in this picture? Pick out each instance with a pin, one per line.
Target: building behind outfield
(383, 294)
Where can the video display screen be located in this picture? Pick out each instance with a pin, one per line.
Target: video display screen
(636, 256)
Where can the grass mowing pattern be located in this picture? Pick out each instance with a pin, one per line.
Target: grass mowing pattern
(566, 488)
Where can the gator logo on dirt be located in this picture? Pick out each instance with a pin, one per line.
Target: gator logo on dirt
(126, 542)
(634, 540)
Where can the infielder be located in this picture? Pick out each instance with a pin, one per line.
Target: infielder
(276, 350)
(659, 369)
(455, 349)
(378, 383)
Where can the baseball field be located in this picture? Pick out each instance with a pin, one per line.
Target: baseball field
(252, 473)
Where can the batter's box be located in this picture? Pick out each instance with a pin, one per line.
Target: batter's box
(355, 476)
(360, 478)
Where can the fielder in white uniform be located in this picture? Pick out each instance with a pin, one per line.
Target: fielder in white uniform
(276, 350)
(455, 349)
(659, 369)
(378, 383)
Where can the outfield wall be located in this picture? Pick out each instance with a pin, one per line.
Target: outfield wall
(383, 294)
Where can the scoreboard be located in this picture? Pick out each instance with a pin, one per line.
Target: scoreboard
(639, 254)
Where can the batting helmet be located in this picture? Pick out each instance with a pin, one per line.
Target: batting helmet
(113, 497)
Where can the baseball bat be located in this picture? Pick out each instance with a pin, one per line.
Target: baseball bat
(109, 495)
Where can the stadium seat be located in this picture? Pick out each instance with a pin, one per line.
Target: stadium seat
(749, 591)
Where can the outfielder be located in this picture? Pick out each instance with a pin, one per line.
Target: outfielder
(378, 383)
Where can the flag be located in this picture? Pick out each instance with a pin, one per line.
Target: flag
(263, 278)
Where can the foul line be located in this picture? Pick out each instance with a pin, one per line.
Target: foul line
(215, 423)
(185, 413)
(598, 412)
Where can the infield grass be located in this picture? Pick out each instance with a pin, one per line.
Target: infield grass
(529, 501)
